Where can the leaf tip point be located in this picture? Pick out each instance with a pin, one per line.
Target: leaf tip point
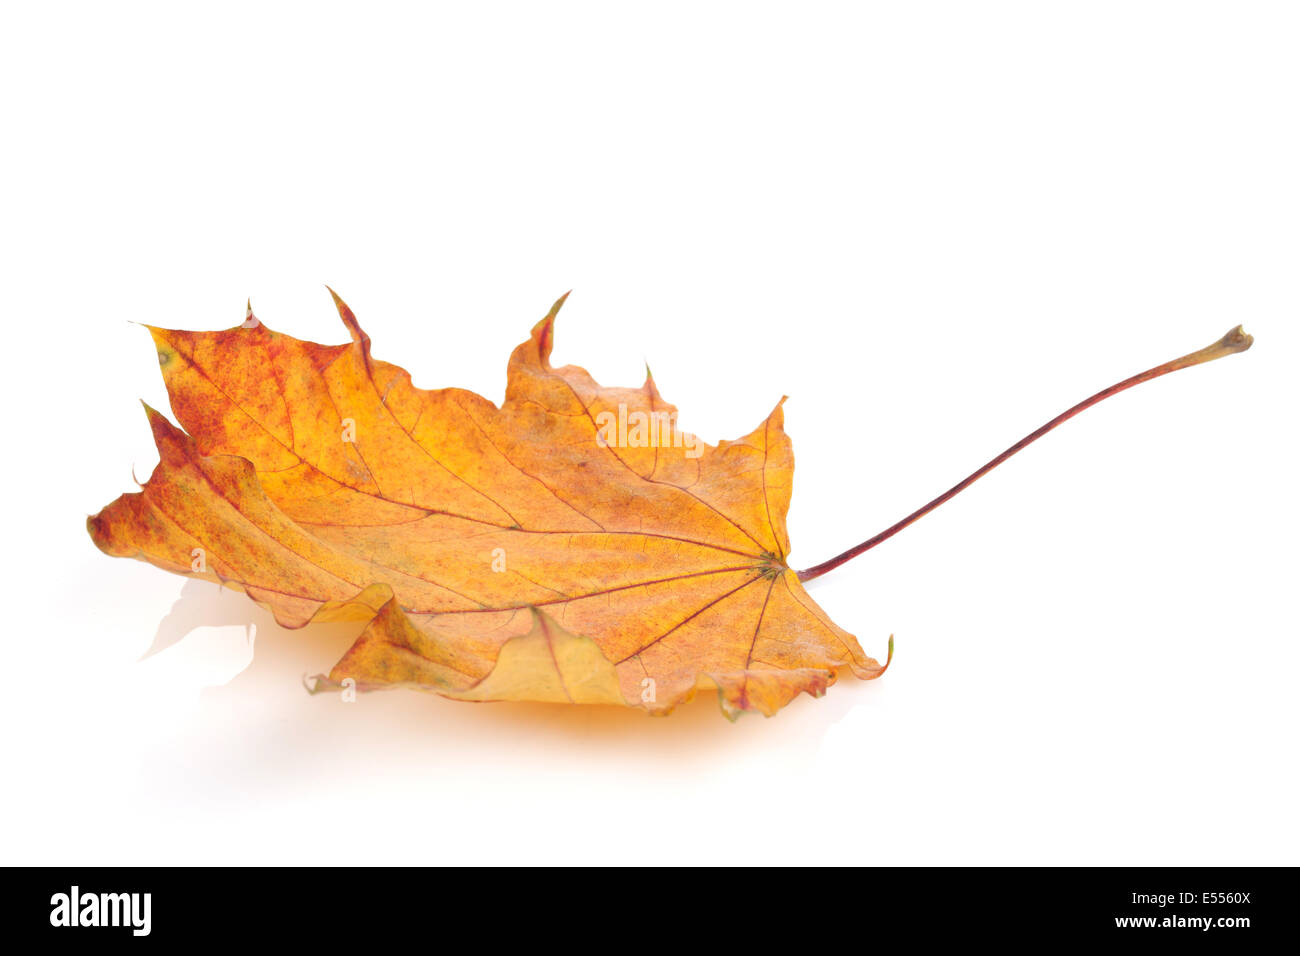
(558, 304)
(350, 321)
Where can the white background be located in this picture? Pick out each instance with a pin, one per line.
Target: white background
(934, 226)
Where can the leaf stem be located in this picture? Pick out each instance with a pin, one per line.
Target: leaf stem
(1235, 341)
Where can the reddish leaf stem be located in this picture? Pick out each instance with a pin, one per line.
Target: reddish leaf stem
(1235, 341)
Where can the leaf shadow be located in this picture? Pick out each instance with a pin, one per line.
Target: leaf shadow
(263, 726)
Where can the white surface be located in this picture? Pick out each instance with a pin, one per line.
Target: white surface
(933, 226)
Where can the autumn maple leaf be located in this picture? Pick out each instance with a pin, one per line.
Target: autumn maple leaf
(536, 551)
(573, 545)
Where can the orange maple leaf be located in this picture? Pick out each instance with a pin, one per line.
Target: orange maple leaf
(573, 545)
